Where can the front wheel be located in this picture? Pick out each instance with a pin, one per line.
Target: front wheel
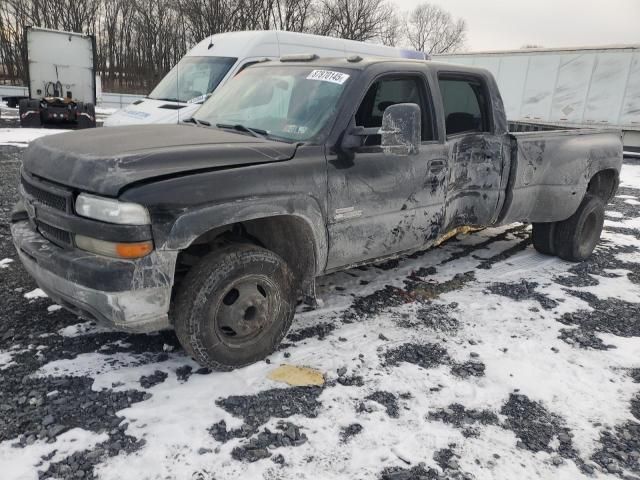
(577, 236)
(235, 306)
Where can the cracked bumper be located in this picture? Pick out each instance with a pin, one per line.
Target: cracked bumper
(128, 295)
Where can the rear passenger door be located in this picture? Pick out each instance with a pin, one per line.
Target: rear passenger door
(475, 152)
(380, 203)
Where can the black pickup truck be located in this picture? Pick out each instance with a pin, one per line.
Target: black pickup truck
(294, 169)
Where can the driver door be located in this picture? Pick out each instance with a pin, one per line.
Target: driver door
(379, 203)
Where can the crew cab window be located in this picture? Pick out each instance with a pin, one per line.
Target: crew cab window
(465, 105)
(390, 91)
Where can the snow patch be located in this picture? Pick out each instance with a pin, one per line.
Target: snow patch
(4, 263)
(630, 176)
(6, 360)
(78, 329)
(20, 137)
(24, 463)
(37, 293)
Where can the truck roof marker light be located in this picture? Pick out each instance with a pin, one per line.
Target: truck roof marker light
(354, 58)
(300, 57)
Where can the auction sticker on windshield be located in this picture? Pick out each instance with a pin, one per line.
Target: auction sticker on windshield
(328, 76)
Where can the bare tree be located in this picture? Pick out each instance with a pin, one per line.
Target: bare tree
(138, 41)
(391, 31)
(352, 19)
(292, 15)
(431, 29)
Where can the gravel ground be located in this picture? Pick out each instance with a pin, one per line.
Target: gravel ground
(480, 359)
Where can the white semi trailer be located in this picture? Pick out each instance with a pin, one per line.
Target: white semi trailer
(568, 87)
(62, 81)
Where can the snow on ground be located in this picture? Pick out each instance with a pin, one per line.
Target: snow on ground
(6, 360)
(20, 137)
(481, 359)
(630, 175)
(37, 293)
(6, 112)
(105, 111)
(4, 263)
(23, 463)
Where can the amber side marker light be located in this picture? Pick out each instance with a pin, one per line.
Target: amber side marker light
(134, 250)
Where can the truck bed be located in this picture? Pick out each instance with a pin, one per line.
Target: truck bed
(550, 170)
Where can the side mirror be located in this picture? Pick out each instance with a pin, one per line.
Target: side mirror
(401, 129)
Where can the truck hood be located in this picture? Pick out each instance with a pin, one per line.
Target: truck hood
(106, 160)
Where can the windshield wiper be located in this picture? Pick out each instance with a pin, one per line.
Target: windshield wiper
(176, 100)
(256, 132)
(196, 121)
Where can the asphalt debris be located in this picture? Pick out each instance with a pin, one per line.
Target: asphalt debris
(427, 355)
(536, 427)
(388, 400)
(148, 381)
(351, 430)
(258, 446)
(257, 409)
(523, 290)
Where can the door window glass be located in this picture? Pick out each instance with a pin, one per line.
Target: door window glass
(465, 105)
(391, 91)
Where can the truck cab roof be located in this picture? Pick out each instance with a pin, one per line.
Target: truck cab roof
(367, 62)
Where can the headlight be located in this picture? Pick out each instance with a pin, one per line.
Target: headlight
(111, 211)
(114, 249)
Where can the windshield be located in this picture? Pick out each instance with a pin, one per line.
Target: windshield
(192, 79)
(291, 103)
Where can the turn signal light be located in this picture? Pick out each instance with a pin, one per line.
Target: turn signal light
(114, 249)
(134, 250)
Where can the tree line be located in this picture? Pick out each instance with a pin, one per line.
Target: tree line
(138, 41)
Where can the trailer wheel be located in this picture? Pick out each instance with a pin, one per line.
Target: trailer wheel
(29, 112)
(86, 115)
(577, 236)
(234, 307)
(542, 235)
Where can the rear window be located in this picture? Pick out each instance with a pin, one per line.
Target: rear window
(465, 105)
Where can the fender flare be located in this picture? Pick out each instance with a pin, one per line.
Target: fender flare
(195, 223)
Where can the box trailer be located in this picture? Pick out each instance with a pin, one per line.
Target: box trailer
(62, 82)
(568, 87)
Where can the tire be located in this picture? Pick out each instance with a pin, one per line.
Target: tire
(86, 115)
(577, 236)
(234, 306)
(543, 237)
(29, 113)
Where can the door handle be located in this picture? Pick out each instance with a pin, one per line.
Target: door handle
(436, 166)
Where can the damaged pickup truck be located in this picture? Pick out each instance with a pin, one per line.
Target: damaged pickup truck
(294, 169)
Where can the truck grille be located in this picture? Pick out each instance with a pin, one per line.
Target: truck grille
(45, 197)
(55, 235)
(39, 195)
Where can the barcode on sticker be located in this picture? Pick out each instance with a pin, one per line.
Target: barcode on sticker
(328, 76)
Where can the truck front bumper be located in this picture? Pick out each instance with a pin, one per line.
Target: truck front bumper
(128, 295)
